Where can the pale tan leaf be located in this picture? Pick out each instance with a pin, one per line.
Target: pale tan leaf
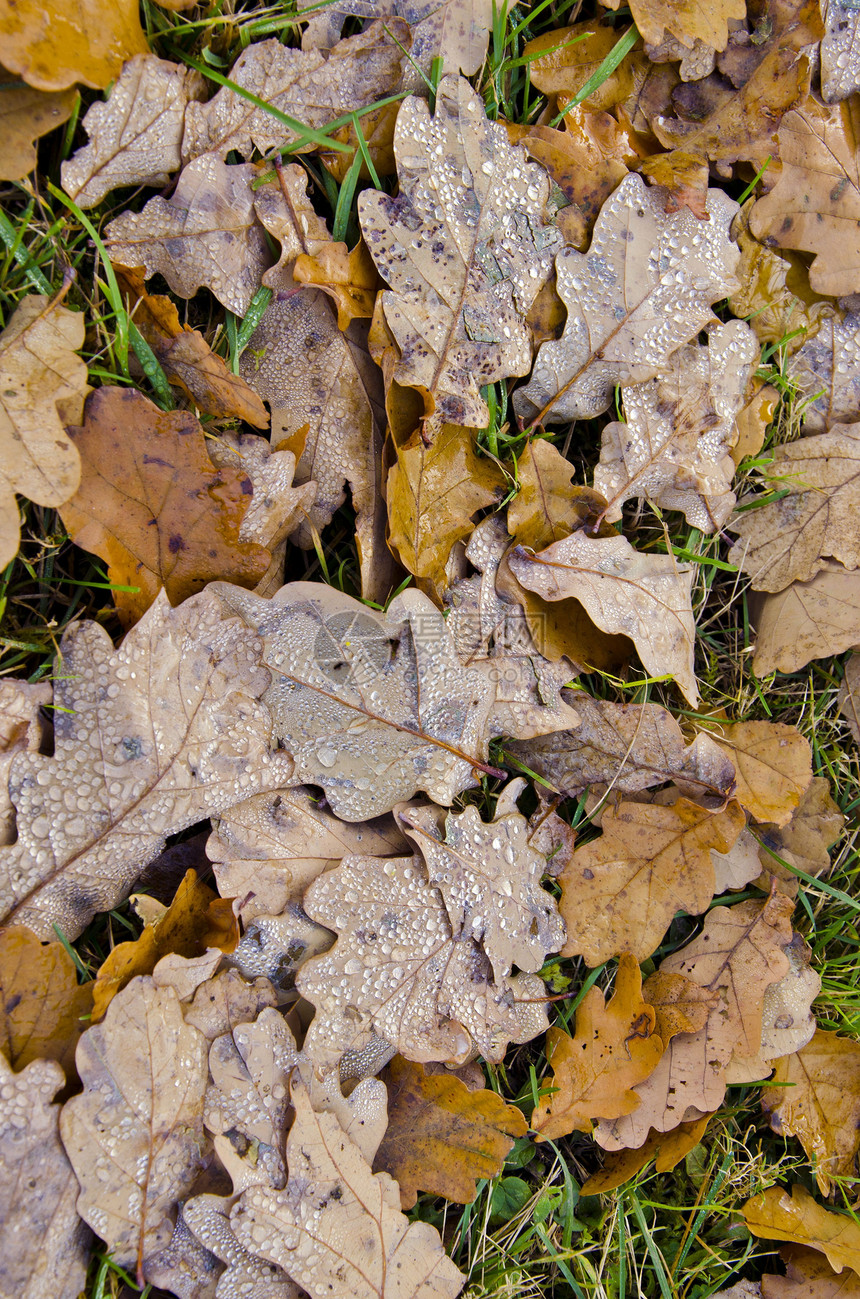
(787, 1019)
(805, 839)
(184, 1267)
(397, 969)
(206, 233)
(620, 892)
(357, 1243)
(149, 738)
(135, 1134)
(800, 1220)
(815, 204)
(135, 136)
(489, 876)
(643, 596)
(849, 695)
(465, 249)
(773, 766)
(696, 61)
(840, 51)
(39, 368)
(809, 1276)
(21, 728)
(548, 505)
(227, 999)
(25, 116)
(267, 849)
(371, 707)
(739, 866)
(808, 620)
(675, 447)
(275, 947)
(629, 747)
(185, 974)
(51, 46)
(247, 1276)
(826, 370)
(626, 316)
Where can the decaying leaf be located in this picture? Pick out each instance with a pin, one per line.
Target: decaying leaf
(206, 233)
(348, 276)
(154, 506)
(42, 385)
(464, 247)
(337, 1223)
(135, 1134)
(43, 1010)
(371, 708)
(227, 999)
(616, 1046)
(826, 370)
(135, 136)
(185, 1268)
(799, 1219)
(643, 289)
(25, 116)
(148, 739)
(630, 747)
(52, 47)
(808, 1276)
(455, 31)
(563, 60)
(442, 1136)
(773, 767)
(548, 505)
(815, 204)
(667, 1149)
(245, 1273)
(815, 1096)
(626, 592)
(681, 1006)
(808, 620)
(621, 891)
(21, 728)
(45, 1244)
(397, 969)
(804, 841)
(849, 694)
(687, 22)
(675, 447)
(787, 1019)
(489, 876)
(840, 51)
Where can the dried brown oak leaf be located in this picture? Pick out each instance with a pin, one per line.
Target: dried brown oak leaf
(442, 1136)
(666, 1149)
(620, 892)
(25, 116)
(840, 51)
(370, 707)
(433, 493)
(808, 620)
(135, 136)
(152, 504)
(739, 953)
(815, 1096)
(338, 1224)
(347, 276)
(616, 1046)
(22, 728)
(849, 695)
(194, 921)
(675, 447)
(52, 46)
(787, 1019)
(644, 596)
(303, 84)
(456, 31)
(802, 1221)
(548, 505)
(149, 739)
(399, 971)
(45, 1244)
(815, 204)
(827, 371)
(808, 1276)
(206, 233)
(42, 386)
(321, 385)
(643, 289)
(773, 767)
(688, 21)
(489, 876)
(135, 1134)
(245, 1275)
(465, 247)
(815, 825)
(564, 60)
(267, 849)
(185, 1268)
(629, 747)
(43, 1010)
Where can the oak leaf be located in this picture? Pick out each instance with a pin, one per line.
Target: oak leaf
(808, 1276)
(135, 1134)
(815, 1096)
(347, 276)
(806, 621)
(225, 1000)
(21, 728)
(825, 369)
(630, 747)
(441, 1135)
(465, 247)
(42, 385)
(149, 739)
(773, 767)
(206, 233)
(154, 506)
(548, 505)
(840, 52)
(26, 115)
(804, 840)
(268, 849)
(357, 1243)
(43, 1009)
(815, 204)
(800, 1220)
(45, 1244)
(615, 1046)
(643, 596)
(667, 1149)
(185, 1267)
(135, 136)
(489, 876)
(675, 447)
(370, 707)
(245, 1273)
(455, 31)
(688, 21)
(849, 695)
(398, 970)
(50, 47)
(620, 892)
(681, 1006)
(562, 61)
(787, 1019)
(644, 288)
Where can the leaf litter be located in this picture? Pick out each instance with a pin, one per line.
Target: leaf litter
(504, 363)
